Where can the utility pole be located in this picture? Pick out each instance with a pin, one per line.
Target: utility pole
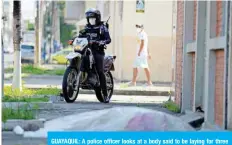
(2, 54)
(41, 20)
(17, 79)
(37, 37)
(51, 31)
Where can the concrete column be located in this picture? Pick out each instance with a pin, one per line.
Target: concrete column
(187, 60)
(209, 72)
(227, 32)
(200, 54)
(174, 23)
(120, 35)
(117, 37)
(230, 74)
(213, 18)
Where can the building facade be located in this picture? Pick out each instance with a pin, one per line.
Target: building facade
(123, 17)
(204, 59)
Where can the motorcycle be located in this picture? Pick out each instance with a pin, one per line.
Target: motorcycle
(74, 79)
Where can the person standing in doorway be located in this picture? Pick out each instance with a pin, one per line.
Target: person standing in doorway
(142, 56)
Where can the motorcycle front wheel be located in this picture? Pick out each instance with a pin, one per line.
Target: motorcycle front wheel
(70, 85)
(110, 88)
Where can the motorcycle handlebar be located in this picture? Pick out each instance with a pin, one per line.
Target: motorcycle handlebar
(93, 42)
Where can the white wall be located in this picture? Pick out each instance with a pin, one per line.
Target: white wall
(157, 18)
(157, 21)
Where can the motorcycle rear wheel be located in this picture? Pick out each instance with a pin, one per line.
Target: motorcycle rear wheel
(110, 88)
(70, 86)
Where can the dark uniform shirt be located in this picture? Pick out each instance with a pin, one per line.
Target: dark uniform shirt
(98, 33)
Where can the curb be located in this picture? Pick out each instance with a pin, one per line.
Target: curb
(31, 76)
(123, 92)
(133, 92)
(117, 91)
(38, 105)
(44, 77)
(27, 125)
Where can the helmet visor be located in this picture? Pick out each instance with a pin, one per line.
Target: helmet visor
(90, 15)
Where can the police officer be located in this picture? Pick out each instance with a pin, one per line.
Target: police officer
(98, 32)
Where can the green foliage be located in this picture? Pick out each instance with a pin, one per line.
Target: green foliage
(30, 27)
(22, 112)
(65, 29)
(8, 70)
(47, 91)
(61, 5)
(28, 95)
(171, 106)
(31, 69)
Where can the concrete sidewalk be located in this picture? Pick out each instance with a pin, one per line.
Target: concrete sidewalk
(47, 81)
(138, 91)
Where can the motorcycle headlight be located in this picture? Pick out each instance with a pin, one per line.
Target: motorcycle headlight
(77, 47)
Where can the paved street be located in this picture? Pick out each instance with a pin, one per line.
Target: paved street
(86, 103)
(44, 81)
(89, 102)
(54, 81)
(9, 138)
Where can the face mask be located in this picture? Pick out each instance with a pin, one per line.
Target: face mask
(92, 21)
(138, 30)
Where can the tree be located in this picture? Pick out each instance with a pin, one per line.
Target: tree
(17, 80)
(66, 30)
(37, 55)
(30, 27)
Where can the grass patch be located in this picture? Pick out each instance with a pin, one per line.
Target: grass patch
(8, 70)
(171, 106)
(24, 112)
(28, 95)
(25, 99)
(48, 91)
(30, 69)
(59, 72)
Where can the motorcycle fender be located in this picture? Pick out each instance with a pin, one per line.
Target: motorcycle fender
(73, 55)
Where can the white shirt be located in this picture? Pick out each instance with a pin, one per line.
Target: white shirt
(142, 36)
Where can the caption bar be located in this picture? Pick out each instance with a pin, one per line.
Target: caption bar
(139, 138)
